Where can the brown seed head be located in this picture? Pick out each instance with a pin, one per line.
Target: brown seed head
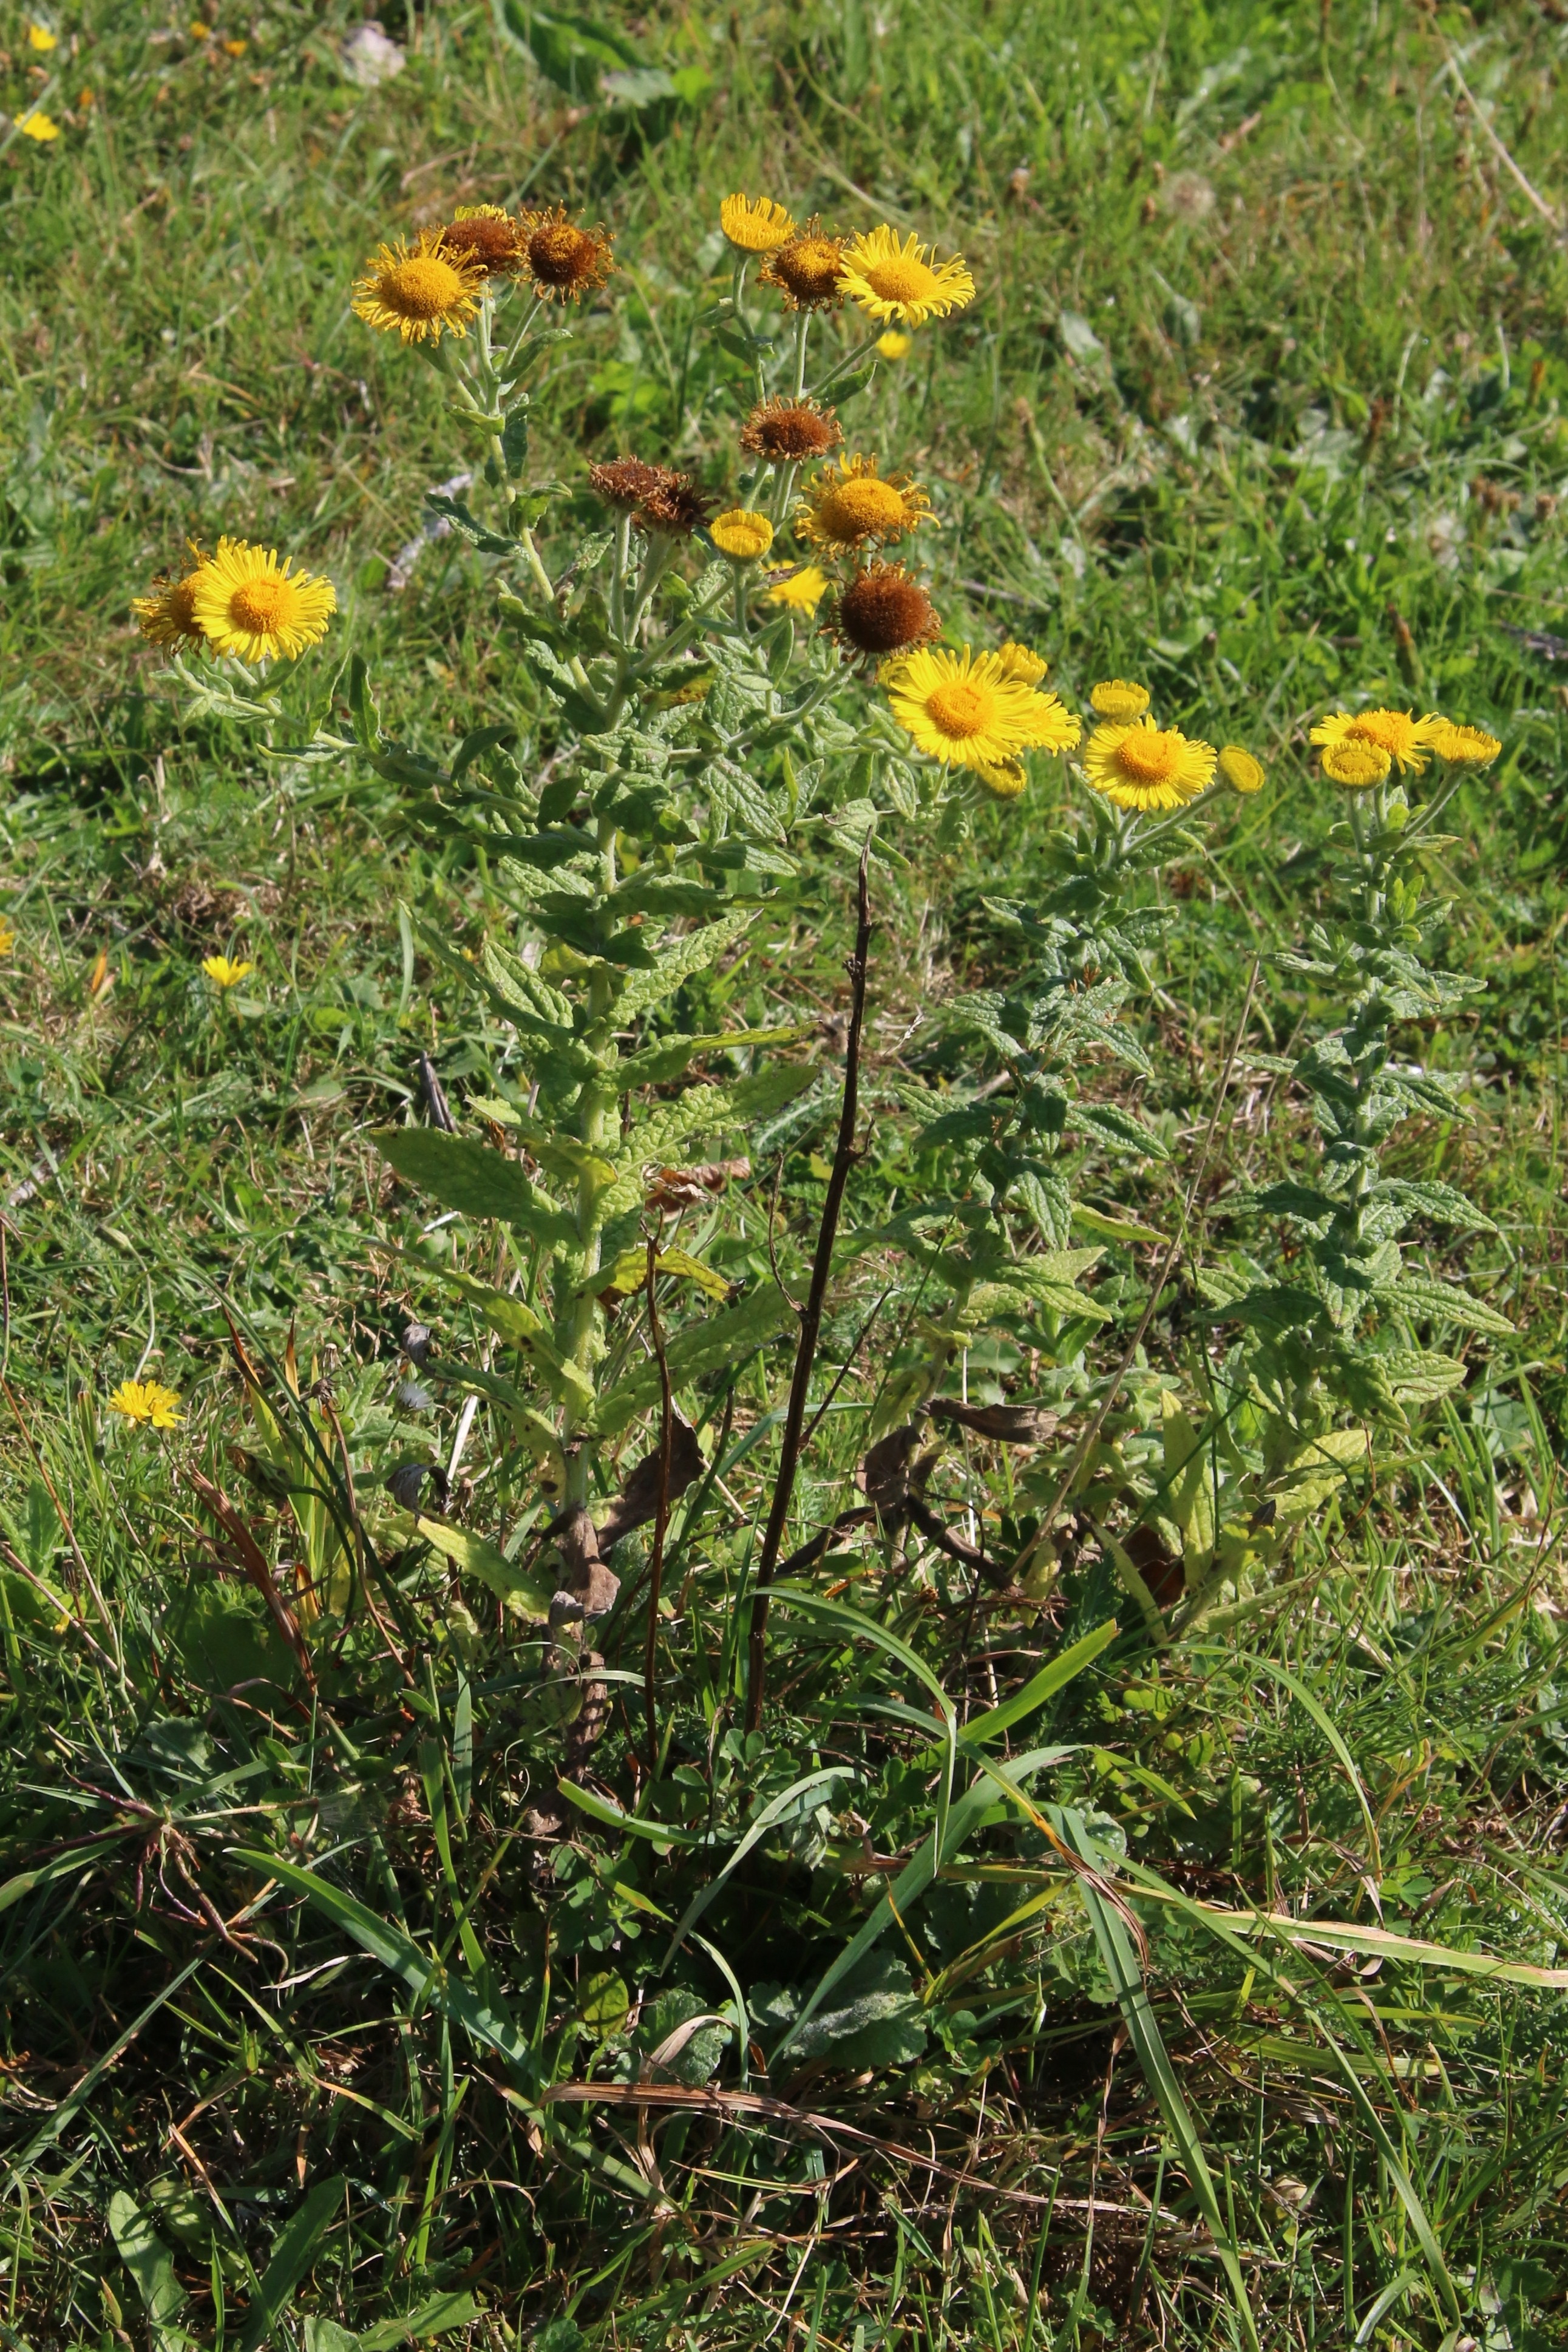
(786, 431)
(675, 506)
(882, 611)
(490, 236)
(625, 482)
(564, 261)
(806, 269)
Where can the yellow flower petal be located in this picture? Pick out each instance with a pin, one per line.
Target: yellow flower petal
(1141, 766)
(801, 590)
(741, 533)
(755, 224)
(147, 1401)
(1404, 738)
(1240, 771)
(968, 710)
(249, 602)
(34, 125)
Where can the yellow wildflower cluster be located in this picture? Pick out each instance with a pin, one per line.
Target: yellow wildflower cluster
(1360, 750)
(246, 601)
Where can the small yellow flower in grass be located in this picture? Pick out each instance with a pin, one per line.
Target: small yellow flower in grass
(895, 345)
(1023, 662)
(1462, 747)
(423, 294)
(166, 615)
(1143, 766)
(1355, 765)
(850, 503)
(249, 602)
(1120, 700)
(1240, 771)
(801, 591)
(7, 937)
(198, 31)
(968, 710)
(755, 224)
(741, 534)
(34, 125)
(236, 49)
(891, 278)
(1403, 737)
(147, 1401)
(223, 973)
(39, 36)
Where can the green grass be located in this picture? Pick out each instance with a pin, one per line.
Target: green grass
(1268, 348)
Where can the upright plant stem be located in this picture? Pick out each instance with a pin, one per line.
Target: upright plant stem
(811, 1313)
(662, 1515)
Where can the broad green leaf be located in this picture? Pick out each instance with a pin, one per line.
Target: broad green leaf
(629, 1272)
(1108, 1123)
(724, 1340)
(476, 1557)
(1116, 1229)
(517, 1322)
(150, 2263)
(705, 1110)
(474, 1179)
(293, 2251)
(455, 2309)
(675, 965)
(1422, 1296)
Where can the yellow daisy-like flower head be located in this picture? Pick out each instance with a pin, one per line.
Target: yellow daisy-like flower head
(433, 290)
(892, 279)
(249, 602)
(166, 615)
(1240, 771)
(1461, 746)
(742, 534)
(1120, 700)
(1402, 737)
(966, 710)
(1141, 766)
(223, 973)
(1023, 662)
(147, 1401)
(41, 127)
(1005, 781)
(800, 590)
(755, 224)
(849, 505)
(39, 36)
(895, 345)
(1355, 765)
(7, 937)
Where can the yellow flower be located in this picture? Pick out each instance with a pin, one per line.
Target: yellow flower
(755, 225)
(198, 31)
(801, 590)
(1141, 766)
(850, 503)
(1240, 771)
(420, 295)
(741, 533)
(39, 36)
(895, 345)
(968, 710)
(247, 601)
(1120, 700)
(166, 615)
(893, 280)
(226, 975)
(1022, 662)
(146, 1401)
(236, 49)
(1004, 782)
(7, 937)
(34, 125)
(1356, 765)
(1468, 747)
(1403, 737)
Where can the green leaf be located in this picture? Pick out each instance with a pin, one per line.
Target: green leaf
(1109, 1124)
(1419, 1375)
(517, 1323)
(1423, 1296)
(673, 966)
(705, 1110)
(476, 1179)
(292, 2254)
(1441, 1203)
(476, 1557)
(431, 2318)
(1280, 1307)
(573, 52)
(726, 1338)
(148, 2260)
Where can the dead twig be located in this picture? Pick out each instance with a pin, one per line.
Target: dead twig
(662, 1513)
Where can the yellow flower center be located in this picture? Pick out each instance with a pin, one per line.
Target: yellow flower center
(259, 604)
(851, 510)
(1392, 730)
(1149, 755)
(901, 278)
(960, 709)
(422, 287)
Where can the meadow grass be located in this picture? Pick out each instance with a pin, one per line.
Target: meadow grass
(1264, 397)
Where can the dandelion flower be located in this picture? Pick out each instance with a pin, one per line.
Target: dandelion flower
(1119, 700)
(7, 938)
(755, 224)
(1141, 766)
(34, 125)
(223, 973)
(166, 615)
(1469, 747)
(39, 36)
(800, 590)
(895, 345)
(1022, 662)
(1403, 737)
(742, 534)
(805, 269)
(786, 431)
(423, 294)
(1355, 765)
(147, 1401)
(1240, 771)
(882, 611)
(850, 503)
(486, 234)
(892, 281)
(965, 710)
(236, 49)
(565, 262)
(249, 602)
